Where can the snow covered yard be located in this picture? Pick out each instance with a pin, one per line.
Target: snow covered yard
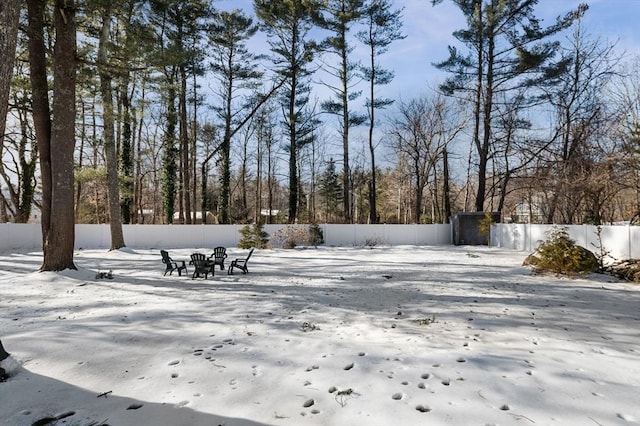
(400, 335)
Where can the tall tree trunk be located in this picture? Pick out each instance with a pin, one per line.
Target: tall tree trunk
(40, 104)
(106, 92)
(169, 155)
(346, 178)
(446, 190)
(59, 238)
(225, 156)
(185, 147)
(373, 209)
(126, 153)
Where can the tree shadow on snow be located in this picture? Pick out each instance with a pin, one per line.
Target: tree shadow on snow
(23, 403)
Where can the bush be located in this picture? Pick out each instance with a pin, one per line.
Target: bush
(253, 236)
(292, 236)
(560, 255)
(316, 236)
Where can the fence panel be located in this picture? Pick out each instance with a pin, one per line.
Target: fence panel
(622, 242)
(92, 236)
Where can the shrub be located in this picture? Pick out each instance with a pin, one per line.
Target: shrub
(253, 236)
(374, 241)
(316, 236)
(559, 254)
(292, 236)
(484, 227)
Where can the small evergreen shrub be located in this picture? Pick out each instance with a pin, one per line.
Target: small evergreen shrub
(484, 227)
(253, 236)
(559, 254)
(316, 236)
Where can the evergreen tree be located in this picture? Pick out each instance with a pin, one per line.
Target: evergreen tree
(179, 27)
(288, 22)
(383, 26)
(507, 48)
(330, 190)
(340, 15)
(236, 70)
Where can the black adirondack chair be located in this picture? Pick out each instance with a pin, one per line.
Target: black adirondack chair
(172, 265)
(240, 264)
(201, 266)
(218, 257)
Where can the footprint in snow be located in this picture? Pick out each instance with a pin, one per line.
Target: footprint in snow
(174, 362)
(348, 366)
(423, 408)
(397, 396)
(626, 417)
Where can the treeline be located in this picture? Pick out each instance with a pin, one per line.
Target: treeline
(177, 120)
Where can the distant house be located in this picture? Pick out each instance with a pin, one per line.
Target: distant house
(529, 212)
(211, 218)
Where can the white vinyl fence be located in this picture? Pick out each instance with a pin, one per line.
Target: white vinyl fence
(621, 241)
(29, 236)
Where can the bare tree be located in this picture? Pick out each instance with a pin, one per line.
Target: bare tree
(417, 132)
(576, 91)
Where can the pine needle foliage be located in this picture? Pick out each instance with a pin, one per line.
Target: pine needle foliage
(253, 236)
(559, 254)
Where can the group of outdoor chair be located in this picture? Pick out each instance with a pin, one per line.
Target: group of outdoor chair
(203, 265)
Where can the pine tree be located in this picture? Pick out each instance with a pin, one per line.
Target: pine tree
(288, 23)
(340, 15)
(507, 47)
(236, 70)
(383, 26)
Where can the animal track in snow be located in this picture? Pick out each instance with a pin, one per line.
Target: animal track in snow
(174, 362)
(397, 396)
(423, 408)
(348, 366)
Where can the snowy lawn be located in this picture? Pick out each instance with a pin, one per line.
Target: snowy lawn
(330, 336)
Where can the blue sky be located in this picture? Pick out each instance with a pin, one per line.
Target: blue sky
(429, 32)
